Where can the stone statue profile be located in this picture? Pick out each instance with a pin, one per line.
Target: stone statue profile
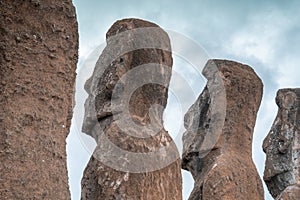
(282, 148)
(219, 153)
(135, 157)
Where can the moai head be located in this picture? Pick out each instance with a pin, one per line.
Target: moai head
(223, 117)
(282, 144)
(138, 53)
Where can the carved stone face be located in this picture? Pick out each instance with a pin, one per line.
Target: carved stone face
(109, 69)
(100, 89)
(278, 145)
(196, 121)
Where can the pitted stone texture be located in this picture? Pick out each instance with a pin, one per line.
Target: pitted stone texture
(38, 57)
(102, 180)
(227, 170)
(282, 146)
(292, 192)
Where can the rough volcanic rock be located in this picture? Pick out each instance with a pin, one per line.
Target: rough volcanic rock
(291, 192)
(220, 159)
(282, 147)
(38, 56)
(135, 157)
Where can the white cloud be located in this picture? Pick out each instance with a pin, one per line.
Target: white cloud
(289, 71)
(260, 37)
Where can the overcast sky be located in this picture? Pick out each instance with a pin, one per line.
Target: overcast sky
(262, 34)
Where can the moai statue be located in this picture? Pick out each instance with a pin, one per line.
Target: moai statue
(217, 144)
(38, 58)
(282, 148)
(135, 157)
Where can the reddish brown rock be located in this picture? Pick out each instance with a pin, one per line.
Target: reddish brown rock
(282, 148)
(38, 56)
(220, 157)
(135, 157)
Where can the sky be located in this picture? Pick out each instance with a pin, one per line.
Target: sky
(262, 34)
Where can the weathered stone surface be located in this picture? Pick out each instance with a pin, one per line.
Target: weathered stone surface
(38, 56)
(292, 192)
(226, 170)
(282, 147)
(130, 161)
